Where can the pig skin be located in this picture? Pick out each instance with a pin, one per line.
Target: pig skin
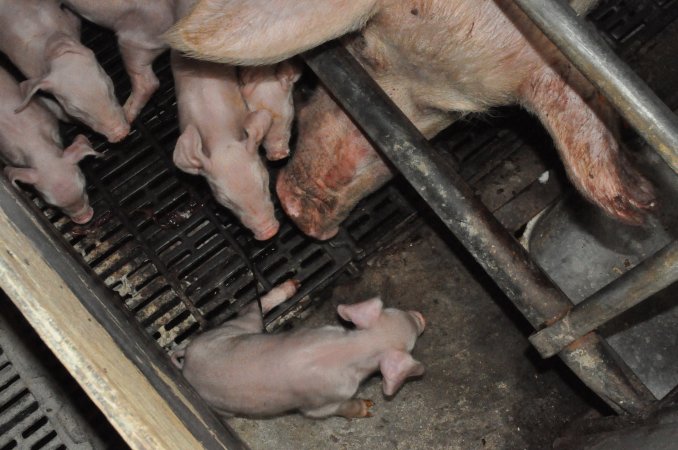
(220, 140)
(31, 146)
(43, 41)
(238, 370)
(269, 89)
(438, 60)
(138, 25)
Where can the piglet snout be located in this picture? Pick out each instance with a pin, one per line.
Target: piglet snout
(118, 134)
(84, 217)
(267, 232)
(419, 319)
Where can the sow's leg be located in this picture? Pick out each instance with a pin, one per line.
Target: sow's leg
(585, 130)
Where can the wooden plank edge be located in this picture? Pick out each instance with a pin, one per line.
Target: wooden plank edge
(133, 384)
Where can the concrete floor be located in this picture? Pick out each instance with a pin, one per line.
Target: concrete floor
(484, 387)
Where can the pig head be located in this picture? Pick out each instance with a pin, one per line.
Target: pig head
(81, 87)
(59, 180)
(269, 89)
(437, 59)
(220, 141)
(238, 370)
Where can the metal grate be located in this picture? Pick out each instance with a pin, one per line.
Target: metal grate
(23, 423)
(628, 24)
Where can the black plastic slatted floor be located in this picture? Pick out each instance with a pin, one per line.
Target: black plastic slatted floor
(23, 424)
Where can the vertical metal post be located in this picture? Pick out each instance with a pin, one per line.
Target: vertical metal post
(523, 282)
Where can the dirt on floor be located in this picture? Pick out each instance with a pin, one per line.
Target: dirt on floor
(484, 387)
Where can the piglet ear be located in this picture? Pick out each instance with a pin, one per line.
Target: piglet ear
(288, 73)
(188, 153)
(396, 366)
(256, 126)
(363, 314)
(79, 149)
(29, 88)
(24, 174)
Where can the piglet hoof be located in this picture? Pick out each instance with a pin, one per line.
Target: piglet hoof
(365, 410)
(277, 155)
(355, 408)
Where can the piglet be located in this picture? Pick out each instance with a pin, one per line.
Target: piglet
(269, 89)
(240, 371)
(138, 25)
(43, 41)
(220, 141)
(31, 146)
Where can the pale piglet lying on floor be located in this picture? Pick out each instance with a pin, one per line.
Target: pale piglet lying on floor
(220, 140)
(30, 144)
(43, 41)
(238, 370)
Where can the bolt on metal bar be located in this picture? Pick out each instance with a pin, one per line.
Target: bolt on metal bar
(649, 277)
(629, 94)
(504, 259)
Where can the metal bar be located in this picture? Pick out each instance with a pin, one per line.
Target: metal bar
(648, 278)
(528, 288)
(629, 94)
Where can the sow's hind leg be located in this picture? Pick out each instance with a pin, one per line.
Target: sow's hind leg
(585, 130)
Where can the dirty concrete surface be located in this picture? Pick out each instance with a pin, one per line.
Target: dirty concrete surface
(484, 387)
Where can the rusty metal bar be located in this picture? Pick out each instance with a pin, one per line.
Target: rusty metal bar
(523, 282)
(629, 94)
(648, 278)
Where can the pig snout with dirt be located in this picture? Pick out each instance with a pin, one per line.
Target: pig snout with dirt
(43, 41)
(138, 25)
(269, 89)
(438, 60)
(317, 371)
(31, 146)
(220, 140)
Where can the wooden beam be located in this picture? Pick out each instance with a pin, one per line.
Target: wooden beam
(118, 366)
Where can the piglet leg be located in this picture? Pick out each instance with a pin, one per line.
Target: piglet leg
(139, 66)
(250, 321)
(355, 407)
(279, 294)
(585, 131)
(352, 408)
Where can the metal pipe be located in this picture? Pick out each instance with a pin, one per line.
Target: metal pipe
(528, 288)
(646, 279)
(629, 94)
